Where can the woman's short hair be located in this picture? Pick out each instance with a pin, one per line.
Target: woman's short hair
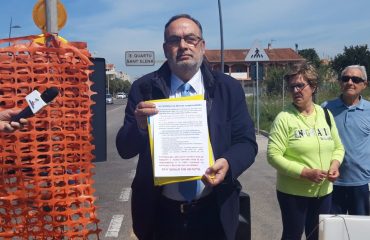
(306, 70)
(359, 67)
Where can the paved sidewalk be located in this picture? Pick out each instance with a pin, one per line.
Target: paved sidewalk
(259, 182)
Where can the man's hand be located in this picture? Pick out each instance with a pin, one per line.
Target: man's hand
(216, 174)
(6, 125)
(314, 175)
(142, 111)
(333, 172)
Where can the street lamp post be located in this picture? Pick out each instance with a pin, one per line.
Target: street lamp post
(108, 84)
(12, 26)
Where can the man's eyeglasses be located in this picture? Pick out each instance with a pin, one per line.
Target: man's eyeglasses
(298, 86)
(354, 79)
(190, 40)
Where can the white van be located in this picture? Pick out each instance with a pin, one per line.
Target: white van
(121, 95)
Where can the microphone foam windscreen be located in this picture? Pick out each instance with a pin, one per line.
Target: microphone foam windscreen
(49, 94)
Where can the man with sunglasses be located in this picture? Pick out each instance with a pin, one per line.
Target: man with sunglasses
(352, 116)
(168, 212)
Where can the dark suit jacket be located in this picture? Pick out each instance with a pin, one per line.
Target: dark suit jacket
(232, 137)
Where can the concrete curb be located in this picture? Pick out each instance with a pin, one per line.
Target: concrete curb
(262, 132)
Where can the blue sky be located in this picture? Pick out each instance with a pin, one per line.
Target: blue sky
(111, 27)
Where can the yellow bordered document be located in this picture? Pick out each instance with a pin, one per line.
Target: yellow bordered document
(180, 144)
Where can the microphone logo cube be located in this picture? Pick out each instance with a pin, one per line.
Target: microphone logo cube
(35, 101)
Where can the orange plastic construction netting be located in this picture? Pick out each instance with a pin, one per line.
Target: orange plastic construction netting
(46, 168)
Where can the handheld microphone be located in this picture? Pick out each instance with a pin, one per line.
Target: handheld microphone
(47, 96)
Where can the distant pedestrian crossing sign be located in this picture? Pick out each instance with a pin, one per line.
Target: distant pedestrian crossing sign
(256, 54)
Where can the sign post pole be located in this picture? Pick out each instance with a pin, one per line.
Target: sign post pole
(258, 103)
(283, 94)
(257, 54)
(51, 16)
(254, 101)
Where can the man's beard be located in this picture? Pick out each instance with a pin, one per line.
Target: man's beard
(185, 66)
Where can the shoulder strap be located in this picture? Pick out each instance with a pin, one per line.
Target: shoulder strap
(327, 117)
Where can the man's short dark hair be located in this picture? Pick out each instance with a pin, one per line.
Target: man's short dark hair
(187, 16)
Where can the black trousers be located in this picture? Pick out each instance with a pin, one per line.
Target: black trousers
(302, 214)
(353, 200)
(189, 221)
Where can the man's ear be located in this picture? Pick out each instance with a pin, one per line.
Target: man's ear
(204, 47)
(366, 84)
(165, 50)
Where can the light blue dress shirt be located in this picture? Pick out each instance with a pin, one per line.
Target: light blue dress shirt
(172, 190)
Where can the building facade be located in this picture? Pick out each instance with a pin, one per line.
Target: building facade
(236, 65)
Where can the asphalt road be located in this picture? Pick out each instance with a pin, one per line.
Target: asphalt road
(113, 180)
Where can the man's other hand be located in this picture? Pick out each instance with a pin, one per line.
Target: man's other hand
(216, 174)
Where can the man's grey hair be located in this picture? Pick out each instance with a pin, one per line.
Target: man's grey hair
(359, 67)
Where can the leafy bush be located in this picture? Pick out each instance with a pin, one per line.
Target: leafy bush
(272, 104)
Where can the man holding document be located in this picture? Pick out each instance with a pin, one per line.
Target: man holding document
(213, 139)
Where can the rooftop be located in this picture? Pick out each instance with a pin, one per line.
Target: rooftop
(239, 55)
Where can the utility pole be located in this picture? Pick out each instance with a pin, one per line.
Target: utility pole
(222, 36)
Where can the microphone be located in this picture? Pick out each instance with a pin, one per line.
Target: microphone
(47, 96)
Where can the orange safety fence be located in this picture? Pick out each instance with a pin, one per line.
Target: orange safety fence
(46, 168)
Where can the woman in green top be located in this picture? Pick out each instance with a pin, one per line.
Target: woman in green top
(306, 152)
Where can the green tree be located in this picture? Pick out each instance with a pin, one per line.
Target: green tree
(112, 86)
(311, 56)
(118, 85)
(126, 86)
(274, 79)
(352, 55)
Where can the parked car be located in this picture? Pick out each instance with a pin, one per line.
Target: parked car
(121, 95)
(108, 98)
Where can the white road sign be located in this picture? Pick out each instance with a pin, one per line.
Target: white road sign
(256, 54)
(139, 58)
